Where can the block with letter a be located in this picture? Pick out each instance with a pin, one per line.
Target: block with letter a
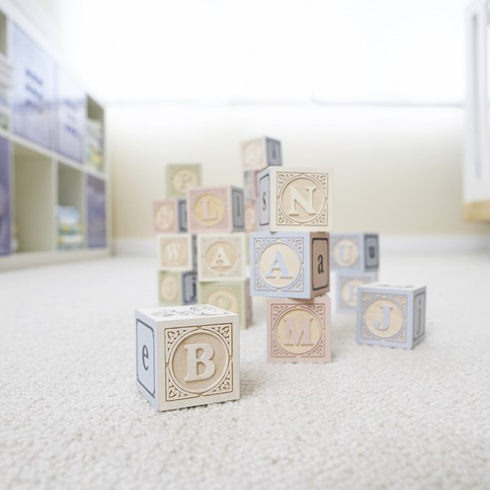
(391, 316)
(187, 356)
(298, 330)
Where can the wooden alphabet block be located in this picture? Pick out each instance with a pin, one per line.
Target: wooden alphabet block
(187, 356)
(293, 199)
(251, 216)
(215, 209)
(289, 265)
(262, 152)
(177, 252)
(392, 316)
(181, 176)
(170, 216)
(298, 330)
(250, 185)
(354, 251)
(177, 288)
(234, 295)
(222, 257)
(346, 284)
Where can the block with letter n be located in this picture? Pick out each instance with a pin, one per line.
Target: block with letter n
(187, 356)
(291, 199)
(298, 330)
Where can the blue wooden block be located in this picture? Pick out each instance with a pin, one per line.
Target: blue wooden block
(289, 265)
(354, 251)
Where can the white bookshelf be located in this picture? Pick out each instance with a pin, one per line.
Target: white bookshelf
(41, 170)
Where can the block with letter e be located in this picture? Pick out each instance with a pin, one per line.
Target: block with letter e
(289, 265)
(291, 199)
(187, 356)
(298, 330)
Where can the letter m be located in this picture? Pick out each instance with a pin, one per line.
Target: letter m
(299, 330)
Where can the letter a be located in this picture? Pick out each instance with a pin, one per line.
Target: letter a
(279, 264)
(294, 333)
(321, 270)
(305, 203)
(193, 362)
(221, 259)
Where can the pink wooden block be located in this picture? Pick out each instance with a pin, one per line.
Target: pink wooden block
(169, 216)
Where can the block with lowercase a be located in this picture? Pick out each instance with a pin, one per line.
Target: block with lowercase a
(346, 284)
(221, 257)
(354, 251)
(391, 316)
(187, 356)
(181, 176)
(177, 288)
(289, 265)
(230, 296)
(293, 199)
(176, 252)
(215, 209)
(170, 216)
(259, 153)
(299, 330)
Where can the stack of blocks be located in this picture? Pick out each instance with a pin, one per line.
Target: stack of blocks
(290, 262)
(177, 275)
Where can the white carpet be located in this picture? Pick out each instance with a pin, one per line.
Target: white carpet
(70, 415)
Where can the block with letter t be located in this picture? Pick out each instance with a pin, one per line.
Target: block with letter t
(298, 330)
(187, 356)
(291, 199)
(289, 264)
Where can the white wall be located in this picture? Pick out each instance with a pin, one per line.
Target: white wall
(397, 170)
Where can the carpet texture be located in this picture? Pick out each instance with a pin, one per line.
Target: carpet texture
(70, 415)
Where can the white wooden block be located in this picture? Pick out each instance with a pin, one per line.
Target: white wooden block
(391, 316)
(177, 288)
(346, 284)
(187, 356)
(259, 153)
(222, 257)
(295, 199)
(176, 252)
(354, 251)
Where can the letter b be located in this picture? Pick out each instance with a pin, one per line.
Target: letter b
(193, 362)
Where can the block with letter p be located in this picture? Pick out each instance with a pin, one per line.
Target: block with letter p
(293, 199)
(181, 176)
(298, 330)
(289, 265)
(187, 356)
(215, 209)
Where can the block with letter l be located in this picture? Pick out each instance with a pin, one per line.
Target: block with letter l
(298, 330)
(291, 199)
(187, 356)
(392, 316)
(289, 265)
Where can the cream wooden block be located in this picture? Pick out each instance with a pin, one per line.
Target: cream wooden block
(292, 199)
(215, 209)
(289, 265)
(222, 257)
(187, 356)
(259, 153)
(250, 185)
(298, 330)
(391, 316)
(251, 216)
(177, 288)
(354, 251)
(176, 252)
(232, 296)
(346, 284)
(170, 216)
(181, 176)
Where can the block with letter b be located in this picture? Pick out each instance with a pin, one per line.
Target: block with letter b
(232, 296)
(176, 252)
(299, 330)
(215, 209)
(177, 288)
(170, 216)
(295, 199)
(392, 316)
(181, 176)
(289, 265)
(346, 284)
(259, 153)
(222, 257)
(354, 251)
(187, 356)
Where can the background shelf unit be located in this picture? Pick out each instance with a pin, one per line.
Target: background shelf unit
(52, 155)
